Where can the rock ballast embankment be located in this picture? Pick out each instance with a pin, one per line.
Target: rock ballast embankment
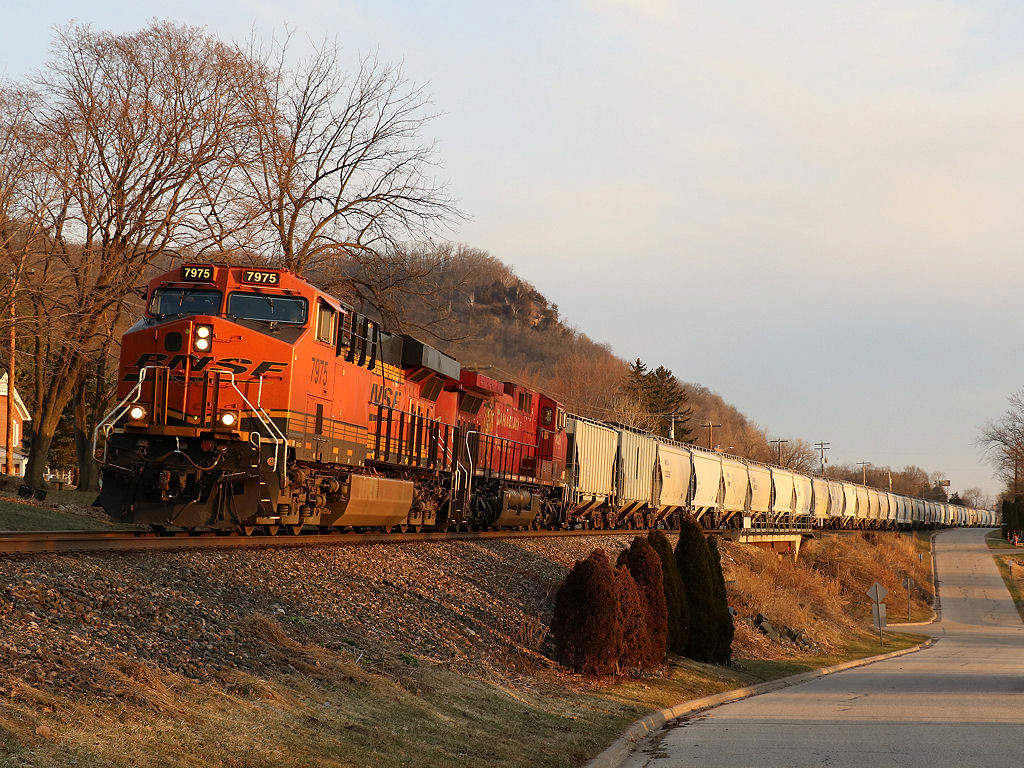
(479, 607)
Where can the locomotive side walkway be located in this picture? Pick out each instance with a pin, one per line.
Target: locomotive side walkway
(952, 704)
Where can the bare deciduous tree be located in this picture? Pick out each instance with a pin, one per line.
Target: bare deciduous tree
(1002, 444)
(132, 135)
(340, 172)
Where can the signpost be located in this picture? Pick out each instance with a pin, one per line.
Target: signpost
(877, 594)
(909, 584)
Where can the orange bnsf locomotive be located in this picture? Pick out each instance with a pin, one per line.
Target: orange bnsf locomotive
(250, 400)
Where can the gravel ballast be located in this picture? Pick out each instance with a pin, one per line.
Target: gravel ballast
(481, 608)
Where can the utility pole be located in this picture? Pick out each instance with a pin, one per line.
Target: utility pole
(779, 443)
(822, 446)
(9, 432)
(711, 432)
(864, 471)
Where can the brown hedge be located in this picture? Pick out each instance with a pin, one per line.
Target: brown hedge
(724, 629)
(645, 567)
(675, 593)
(694, 561)
(587, 624)
(633, 619)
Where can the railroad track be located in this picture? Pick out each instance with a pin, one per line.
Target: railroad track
(41, 542)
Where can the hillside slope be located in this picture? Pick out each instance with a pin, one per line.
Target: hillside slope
(428, 654)
(476, 308)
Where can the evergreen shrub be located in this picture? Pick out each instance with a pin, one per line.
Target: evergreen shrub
(645, 566)
(675, 593)
(587, 626)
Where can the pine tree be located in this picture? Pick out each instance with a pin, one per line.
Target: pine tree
(660, 394)
(666, 396)
(635, 386)
(675, 593)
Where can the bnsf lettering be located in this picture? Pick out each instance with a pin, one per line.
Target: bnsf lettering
(387, 396)
(319, 373)
(237, 365)
(267, 367)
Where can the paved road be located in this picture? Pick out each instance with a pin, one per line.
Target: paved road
(958, 703)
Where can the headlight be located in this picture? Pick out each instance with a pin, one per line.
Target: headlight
(203, 338)
(227, 419)
(137, 413)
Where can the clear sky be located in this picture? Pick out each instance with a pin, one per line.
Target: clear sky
(813, 208)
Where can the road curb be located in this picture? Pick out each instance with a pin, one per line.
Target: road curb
(614, 755)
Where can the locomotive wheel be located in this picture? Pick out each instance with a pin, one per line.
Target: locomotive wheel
(273, 529)
(247, 530)
(294, 530)
(386, 528)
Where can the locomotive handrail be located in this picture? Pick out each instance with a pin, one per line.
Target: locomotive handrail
(275, 432)
(469, 454)
(121, 409)
(449, 458)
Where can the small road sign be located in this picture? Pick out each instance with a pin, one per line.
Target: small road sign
(878, 614)
(877, 592)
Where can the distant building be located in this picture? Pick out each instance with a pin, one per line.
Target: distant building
(21, 415)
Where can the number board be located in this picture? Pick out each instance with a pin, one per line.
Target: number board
(197, 273)
(260, 277)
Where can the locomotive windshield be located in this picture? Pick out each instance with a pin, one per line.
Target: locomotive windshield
(268, 308)
(184, 301)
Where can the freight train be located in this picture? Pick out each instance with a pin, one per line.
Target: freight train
(249, 401)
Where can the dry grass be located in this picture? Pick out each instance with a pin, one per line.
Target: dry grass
(399, 710)
(1010, 561)
(824, 593)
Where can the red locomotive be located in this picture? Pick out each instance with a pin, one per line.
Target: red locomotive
(250, 399)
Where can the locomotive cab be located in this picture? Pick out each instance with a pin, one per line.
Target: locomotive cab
(214, 342)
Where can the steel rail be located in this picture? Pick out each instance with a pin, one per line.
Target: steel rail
(57, 542)
(54, 542)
